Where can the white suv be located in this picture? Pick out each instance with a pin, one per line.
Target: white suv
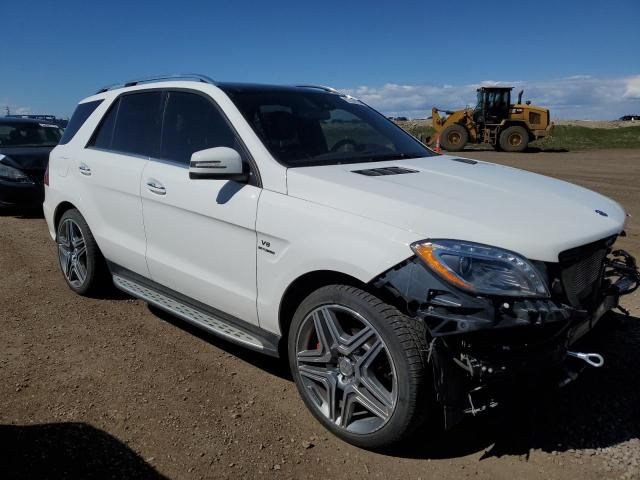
(298, 221)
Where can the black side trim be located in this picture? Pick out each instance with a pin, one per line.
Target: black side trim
(464, 160)
(377, 172)
(269, 340)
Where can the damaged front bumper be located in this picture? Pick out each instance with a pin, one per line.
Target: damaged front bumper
(480, 346)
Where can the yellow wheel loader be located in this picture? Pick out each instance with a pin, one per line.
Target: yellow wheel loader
(494, 120)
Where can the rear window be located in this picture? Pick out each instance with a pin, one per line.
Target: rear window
(78, 118)
(23, 134)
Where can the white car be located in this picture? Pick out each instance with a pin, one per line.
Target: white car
(402, 285)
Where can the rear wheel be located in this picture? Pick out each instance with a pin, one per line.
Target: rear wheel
(514, 139)
(454, 138)
(360, 366)
(83, 267)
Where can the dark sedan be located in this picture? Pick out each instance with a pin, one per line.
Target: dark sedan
(24, 153)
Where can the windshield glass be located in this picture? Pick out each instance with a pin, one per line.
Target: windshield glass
(303, 128)
(29, 134)
(479, 102)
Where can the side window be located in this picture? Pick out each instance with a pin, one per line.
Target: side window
(104, 134)
(138, 123)
(80, 115)
(132, 125)
(192, 123)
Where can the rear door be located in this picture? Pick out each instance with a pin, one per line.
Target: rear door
(201, 239)
(110, 171)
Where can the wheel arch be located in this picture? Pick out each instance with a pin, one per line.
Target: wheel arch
(516, 123)
(60, 210)
(307, 283)
(301, 287)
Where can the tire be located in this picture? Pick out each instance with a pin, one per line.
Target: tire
(81, 262)
(514, 139)
(454, 138)
(374, 348)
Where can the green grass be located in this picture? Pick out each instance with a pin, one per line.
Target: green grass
(421, 132)
(585, 138)
(567, 137)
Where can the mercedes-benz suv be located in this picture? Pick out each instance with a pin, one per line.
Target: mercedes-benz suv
(402, 286)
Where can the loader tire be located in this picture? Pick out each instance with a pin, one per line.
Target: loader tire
(454, 138)
(514, 139)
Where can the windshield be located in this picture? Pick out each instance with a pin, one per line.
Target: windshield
(303, 128)
(25, 134)
(479, 102)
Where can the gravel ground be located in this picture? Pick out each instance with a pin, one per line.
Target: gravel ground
(109, 388)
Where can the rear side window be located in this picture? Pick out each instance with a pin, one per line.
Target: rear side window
(193, 123)
(104, 135)
(132, 125)
(78, 118)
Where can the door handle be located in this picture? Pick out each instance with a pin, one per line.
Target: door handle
(156, 187)
(84, 169)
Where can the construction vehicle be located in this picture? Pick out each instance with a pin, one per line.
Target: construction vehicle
(494, 120)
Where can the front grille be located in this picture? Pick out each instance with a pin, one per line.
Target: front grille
(581, 272)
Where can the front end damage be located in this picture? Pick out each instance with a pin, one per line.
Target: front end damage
(480, 347)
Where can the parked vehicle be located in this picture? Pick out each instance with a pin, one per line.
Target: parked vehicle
(24, 152)
(50, 119)
(494, 121)
(386, 274)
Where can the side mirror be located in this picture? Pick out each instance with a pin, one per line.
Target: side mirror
(219, 163)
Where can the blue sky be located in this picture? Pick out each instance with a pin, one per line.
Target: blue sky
(580, 57)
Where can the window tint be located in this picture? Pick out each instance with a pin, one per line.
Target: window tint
(104, 134)
(78, 118)
(137, 128)
(192, 123)
(132, 125)
(29, 134)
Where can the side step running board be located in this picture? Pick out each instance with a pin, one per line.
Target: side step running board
(197, 316)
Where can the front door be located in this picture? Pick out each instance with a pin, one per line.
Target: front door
(201, 239)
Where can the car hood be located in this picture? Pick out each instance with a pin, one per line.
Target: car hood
(26, 158)
(450, 197)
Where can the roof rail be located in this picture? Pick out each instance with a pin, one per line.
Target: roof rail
(160, 78)
(320, 87)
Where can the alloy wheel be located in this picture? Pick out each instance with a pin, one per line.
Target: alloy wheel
(346, 370)
(72, 252)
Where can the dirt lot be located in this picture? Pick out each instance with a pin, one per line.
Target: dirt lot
(107, 388)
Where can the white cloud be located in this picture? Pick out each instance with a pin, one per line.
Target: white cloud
(21, 110)
(633, 88)
(575, 97)
(13, 109)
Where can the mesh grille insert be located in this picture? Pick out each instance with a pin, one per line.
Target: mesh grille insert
(582, 270)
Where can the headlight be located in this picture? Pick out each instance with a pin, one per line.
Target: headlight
(481, 269)
(12, 174)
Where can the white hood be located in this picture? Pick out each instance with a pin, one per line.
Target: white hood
(530, 214)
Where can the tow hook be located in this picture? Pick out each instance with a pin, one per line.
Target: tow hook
(594, 359)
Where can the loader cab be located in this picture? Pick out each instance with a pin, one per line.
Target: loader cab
(493, 105)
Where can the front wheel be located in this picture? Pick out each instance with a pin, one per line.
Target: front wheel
(454, 138)
(514, 139)
(360, 366)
